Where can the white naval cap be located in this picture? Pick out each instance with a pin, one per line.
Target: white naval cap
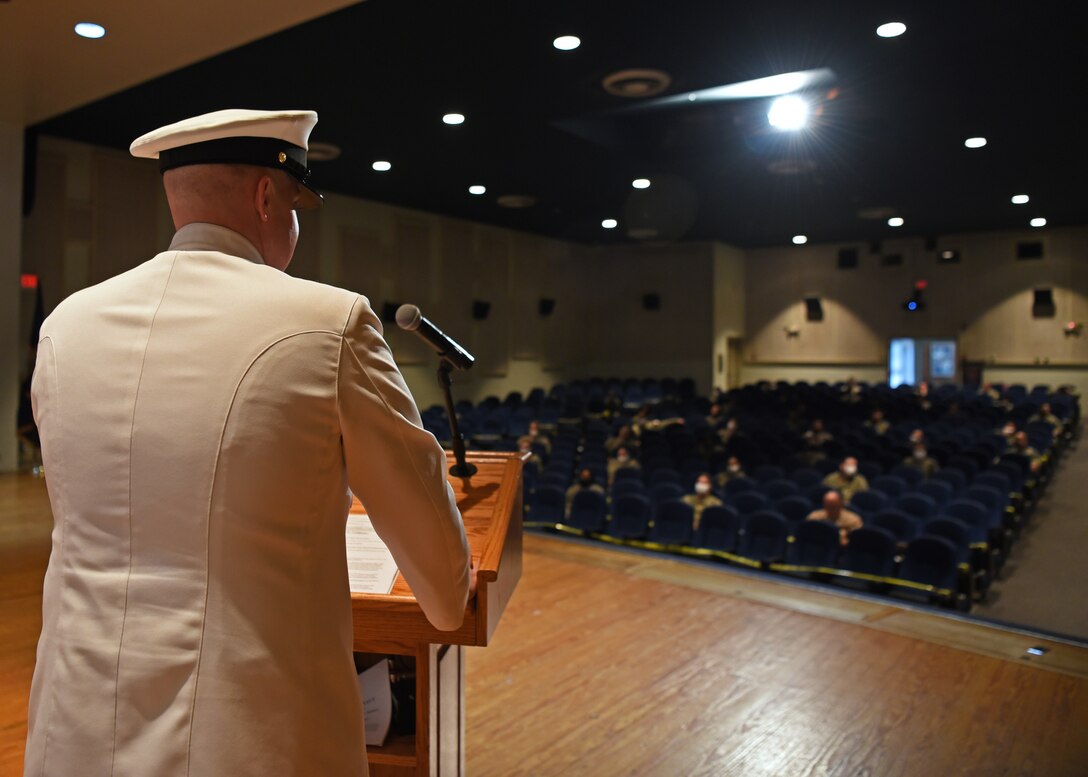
(276, 139)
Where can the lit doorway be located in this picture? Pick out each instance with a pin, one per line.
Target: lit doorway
(911, 361)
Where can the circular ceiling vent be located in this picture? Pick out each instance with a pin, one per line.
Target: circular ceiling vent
(792, 166)
(322, 152)
(640, 82)
(516, 201)
(876, 213)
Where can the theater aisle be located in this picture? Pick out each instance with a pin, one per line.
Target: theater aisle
(1045, 583)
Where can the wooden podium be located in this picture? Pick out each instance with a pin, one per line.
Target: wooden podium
(491, 504)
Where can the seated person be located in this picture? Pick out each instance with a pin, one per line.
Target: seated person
(1008, 431)
(1046, 416)
(834, 512)
(715, 417)
(701, 499)
(1022, 446)
(851, 391)
(585, 482)
(878, 423)
(922, 393)
(624, 438)
(920, 460)
(732, 471)
(728, 431)
(917, 436)
(816, 435)
(623, 460)
(525, 445)
(536, 435)
(847, 480)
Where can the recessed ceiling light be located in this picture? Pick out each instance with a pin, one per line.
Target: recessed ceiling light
(609, 223)
(1020, 199)
(90, 30)
(1039, 222)
(641, 183)
(800, 240)
(477, 189)
(567, 42)
(453, 118)
(975, 142)
(895, 221)
(382, 166)
(891, 30)
(788, 113)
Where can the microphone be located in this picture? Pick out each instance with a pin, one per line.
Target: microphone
(411, 320)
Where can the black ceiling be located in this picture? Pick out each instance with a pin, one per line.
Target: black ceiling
(381, 74)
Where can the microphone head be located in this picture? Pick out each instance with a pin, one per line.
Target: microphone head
(409, 317)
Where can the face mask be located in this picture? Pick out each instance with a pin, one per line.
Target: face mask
(734, 467)
(849, 471)
(919, 454)
(702, 489)
(532, 432)
(622, 458)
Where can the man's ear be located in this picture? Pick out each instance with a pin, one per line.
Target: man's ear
(263, 196)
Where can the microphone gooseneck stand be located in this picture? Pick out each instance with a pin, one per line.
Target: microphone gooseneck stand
(462, 469)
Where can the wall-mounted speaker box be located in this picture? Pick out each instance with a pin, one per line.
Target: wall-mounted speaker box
(1029, 249)
(480, 310)
(814, 310)
(651, 301)
(931, 244)
(546, 306)
(848, 258)
(389, 312)
(1042, 305)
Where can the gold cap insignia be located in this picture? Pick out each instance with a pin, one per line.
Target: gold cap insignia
(282, 157)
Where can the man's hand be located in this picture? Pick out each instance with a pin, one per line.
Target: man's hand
(471, 578)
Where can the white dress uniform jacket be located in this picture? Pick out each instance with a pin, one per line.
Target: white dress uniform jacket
(202, 417)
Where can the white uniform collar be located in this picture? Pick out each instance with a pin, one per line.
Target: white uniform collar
(200, 236)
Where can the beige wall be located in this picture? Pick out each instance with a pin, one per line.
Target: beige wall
(100, 212)
(984, 303)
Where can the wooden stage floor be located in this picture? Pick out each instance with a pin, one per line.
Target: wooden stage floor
(613, 663)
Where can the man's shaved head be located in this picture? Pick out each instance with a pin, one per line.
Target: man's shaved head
(256, 202)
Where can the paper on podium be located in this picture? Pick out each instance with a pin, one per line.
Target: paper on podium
(371, 568)
(377, 698)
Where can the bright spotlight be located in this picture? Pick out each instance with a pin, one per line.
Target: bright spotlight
(975, 142)
(453, 118)
(477, 189)
(641, 183)
(382, 166)
(788, 113)
(895, 221)
(90, 30)
(609, 223)
(800, 240)
(891, 30)
(1020, 199)
(1039, 222)
(567, 42)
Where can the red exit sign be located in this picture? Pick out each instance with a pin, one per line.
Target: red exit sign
(29, 280)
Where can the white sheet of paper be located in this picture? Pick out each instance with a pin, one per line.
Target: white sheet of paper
(371, 568)
(377, 702)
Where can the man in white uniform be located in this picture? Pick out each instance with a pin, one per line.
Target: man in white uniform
(202, 418)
